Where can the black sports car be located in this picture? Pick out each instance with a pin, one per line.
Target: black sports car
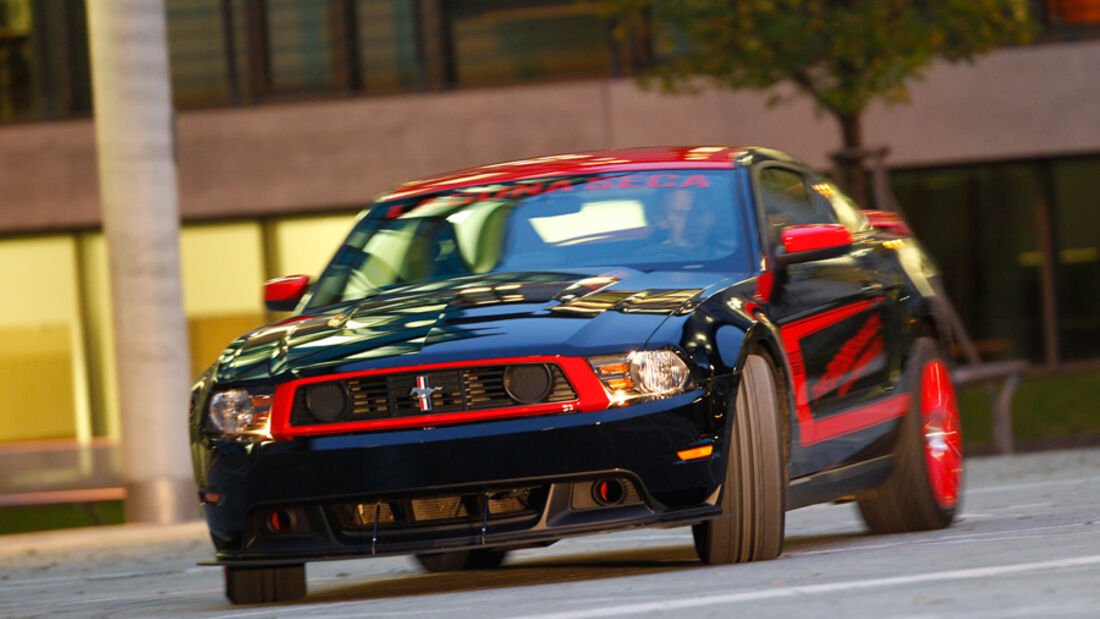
(504, 356)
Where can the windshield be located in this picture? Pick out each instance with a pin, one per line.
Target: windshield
(661, 219)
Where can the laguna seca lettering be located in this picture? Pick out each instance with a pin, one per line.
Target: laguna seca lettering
(630, 181)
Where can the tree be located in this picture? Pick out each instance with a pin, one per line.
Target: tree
(841, 53)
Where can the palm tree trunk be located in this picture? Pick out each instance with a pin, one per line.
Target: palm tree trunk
(138, 191)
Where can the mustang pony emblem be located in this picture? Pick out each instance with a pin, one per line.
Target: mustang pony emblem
(424, 393)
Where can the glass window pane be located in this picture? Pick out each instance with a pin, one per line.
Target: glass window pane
(387, 45)
(42, 359)
(18, 71)
(196, 50)
(1076, 183)
(223, 279)
(304, 245)
(499, 41)
(44, 70)
(979, 223)
(305, 46)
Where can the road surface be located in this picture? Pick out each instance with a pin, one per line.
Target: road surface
(1027, 544)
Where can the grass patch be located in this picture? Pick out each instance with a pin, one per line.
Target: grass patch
(1051, 407)
(28, 518)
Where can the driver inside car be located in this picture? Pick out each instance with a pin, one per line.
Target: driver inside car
(688, 222)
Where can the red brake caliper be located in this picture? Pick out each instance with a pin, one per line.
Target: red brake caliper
(942, 438)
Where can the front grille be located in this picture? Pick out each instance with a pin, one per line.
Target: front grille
(391, 395)
(440, 510)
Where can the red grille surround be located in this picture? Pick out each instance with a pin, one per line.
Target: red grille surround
(590, 397)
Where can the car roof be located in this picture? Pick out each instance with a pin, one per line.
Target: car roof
(616, 160)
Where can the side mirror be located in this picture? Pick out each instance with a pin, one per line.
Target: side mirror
(283, 293)
(889, 221)
(813, 242)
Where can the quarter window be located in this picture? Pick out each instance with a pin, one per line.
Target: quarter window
(787, 202)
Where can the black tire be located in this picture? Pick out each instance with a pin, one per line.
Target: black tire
(455, 560)
(906, 501)
(754, 493)
(258, 585)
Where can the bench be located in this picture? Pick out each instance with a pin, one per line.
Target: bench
(1008, 373)
(61, 471)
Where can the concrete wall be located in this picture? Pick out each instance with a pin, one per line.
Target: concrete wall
(300, 157)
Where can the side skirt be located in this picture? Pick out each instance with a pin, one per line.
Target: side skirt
(839, 482)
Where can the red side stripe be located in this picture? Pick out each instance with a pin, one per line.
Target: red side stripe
(812, 431)
(856, 419)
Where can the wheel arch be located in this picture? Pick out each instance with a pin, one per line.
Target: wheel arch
(763, 339)
(925, 325)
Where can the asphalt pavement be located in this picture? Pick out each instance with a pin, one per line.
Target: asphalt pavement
(1026, 545)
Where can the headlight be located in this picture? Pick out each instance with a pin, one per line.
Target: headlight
(241, 413)
(641, 375)
(660, 371)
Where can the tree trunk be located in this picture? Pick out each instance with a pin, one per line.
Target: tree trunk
(853, 174)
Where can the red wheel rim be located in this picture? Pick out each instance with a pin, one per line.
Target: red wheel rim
(942, 438)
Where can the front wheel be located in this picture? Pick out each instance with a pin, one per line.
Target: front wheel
(754, 492)
(258, 585)
(923, 490)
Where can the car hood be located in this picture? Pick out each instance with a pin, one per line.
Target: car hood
(496, 315)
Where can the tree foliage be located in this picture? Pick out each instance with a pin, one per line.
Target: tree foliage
(841, 53)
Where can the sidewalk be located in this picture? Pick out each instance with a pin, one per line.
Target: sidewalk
(101, 537)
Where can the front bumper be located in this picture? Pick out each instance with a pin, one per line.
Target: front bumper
(310, 484)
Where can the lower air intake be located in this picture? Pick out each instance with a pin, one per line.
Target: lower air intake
(437, 510)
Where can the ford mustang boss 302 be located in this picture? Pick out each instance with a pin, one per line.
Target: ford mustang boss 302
(504, 356)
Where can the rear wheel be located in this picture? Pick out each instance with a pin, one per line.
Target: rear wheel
(922, 492)
(257, 585)
(454, 560)
(754, 493)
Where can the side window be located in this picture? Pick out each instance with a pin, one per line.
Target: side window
(847, 212)
(788, 202)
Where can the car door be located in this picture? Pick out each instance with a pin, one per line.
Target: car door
(833, 317)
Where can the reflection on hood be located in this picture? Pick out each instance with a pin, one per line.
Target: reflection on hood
(493, 315)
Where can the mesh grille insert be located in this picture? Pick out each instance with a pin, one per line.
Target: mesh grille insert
(390, 396)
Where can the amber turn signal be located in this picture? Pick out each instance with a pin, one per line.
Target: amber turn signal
(696, 452)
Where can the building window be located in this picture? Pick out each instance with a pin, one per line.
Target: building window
(390, 57)
(501, 41)
(304, 245)
(223, 275)
(44, 70)
(979, 223)
(197, 53)
(307, 43)
(232, 52)
(984, 225)
(1074, 187)
(16, 73)
(42, 362)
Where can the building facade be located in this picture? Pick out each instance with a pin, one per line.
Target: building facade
(293, 114)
